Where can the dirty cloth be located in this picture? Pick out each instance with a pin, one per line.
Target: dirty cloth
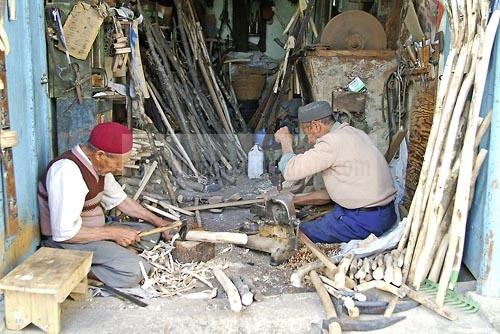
(343, 225)
(113, 264)
(354, 171)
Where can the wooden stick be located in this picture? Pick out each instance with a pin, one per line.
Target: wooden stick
(485, 124)
(160, 229)
(161, 212)
(322, 257)
(439, 258)
(391, 306)
(224, 205)
(324, 297)
(461, 207)
(197, 213)
(145, 180)
(243, 290)
(381, 285)
(217, 237)
(340, 275)
(231, 291)
(429, 303)
(172, 132)
(458, 258)
(299, 273)
(166, 205)
(447, 157)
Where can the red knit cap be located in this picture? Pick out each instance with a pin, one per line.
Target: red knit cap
(111, 137)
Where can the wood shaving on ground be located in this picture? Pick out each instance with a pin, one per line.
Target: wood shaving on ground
(169, 277)
(304, 255)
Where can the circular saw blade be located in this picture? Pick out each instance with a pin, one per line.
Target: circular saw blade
(354, 30)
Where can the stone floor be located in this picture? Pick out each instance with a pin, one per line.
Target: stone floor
(286, 313)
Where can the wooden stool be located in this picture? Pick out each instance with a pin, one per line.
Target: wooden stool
(34, 289)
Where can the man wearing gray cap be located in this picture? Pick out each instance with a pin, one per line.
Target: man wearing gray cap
(356, 177)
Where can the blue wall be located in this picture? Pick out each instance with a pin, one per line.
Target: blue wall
(30, 118)
(482, 248)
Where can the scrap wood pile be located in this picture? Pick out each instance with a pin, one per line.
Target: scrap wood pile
(436, 225)
(189, 102)
(349, 283)
(171, 278)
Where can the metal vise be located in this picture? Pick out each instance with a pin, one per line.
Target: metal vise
(278, 234)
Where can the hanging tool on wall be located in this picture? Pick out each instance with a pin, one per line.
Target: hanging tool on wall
(73, 67)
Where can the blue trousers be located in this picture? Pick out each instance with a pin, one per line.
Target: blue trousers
(344, 225)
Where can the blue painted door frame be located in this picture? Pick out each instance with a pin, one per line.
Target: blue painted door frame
(482, 247)
(29, 112)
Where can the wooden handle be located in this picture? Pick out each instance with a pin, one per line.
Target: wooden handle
(323, 258)
(333, 327)
(224, 205)
(160, 229)
(231, 291)
(217, 237)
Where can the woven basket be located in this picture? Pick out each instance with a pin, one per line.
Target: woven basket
(248, 83)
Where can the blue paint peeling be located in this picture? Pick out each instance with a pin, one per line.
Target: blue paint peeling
(482, 247)
(28, 109)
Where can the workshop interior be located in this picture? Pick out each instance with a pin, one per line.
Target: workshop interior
(267, 138)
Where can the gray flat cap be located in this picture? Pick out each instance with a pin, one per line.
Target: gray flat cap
(314, 110)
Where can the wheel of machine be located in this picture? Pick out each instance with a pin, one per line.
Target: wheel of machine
(354, 30)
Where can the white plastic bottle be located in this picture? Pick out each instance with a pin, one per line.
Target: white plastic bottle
(255, 162)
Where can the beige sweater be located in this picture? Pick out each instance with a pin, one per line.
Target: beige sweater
(355, 173)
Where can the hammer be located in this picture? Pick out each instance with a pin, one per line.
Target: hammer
(182, 230)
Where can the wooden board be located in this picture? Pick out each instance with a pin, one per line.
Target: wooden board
(49, 271)
(379, 54)
(421, 115)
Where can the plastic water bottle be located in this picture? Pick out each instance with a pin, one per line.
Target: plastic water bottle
(255, 162)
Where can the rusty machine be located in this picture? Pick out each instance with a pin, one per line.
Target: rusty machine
(277, 234)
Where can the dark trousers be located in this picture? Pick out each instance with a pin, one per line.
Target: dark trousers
(113, 264)
(343, 225)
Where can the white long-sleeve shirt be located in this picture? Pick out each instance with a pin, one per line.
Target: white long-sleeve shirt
(66, 192)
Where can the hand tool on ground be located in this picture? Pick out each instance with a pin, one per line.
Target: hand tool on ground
(350, 320)
(403, 291)
(379, 306)
(363, 325)
(117, 293)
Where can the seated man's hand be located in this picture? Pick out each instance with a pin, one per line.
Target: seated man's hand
(124, 236)
(283, 136)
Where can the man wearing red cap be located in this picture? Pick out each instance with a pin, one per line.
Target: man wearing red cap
(72, 193)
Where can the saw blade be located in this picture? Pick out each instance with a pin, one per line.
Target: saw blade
(354, 30)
